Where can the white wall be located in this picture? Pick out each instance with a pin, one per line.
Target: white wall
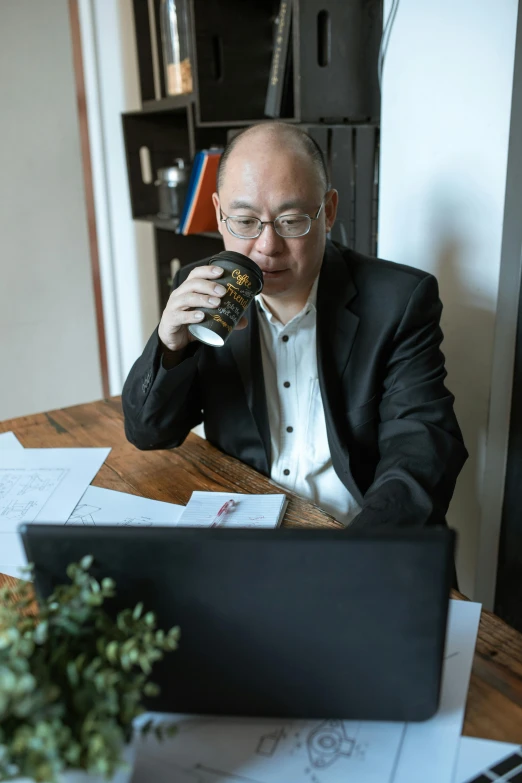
(48, 340)
(126, 247)
(446, 101)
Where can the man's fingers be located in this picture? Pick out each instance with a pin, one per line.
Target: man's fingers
(184, 295)
(206, 272)
(190, 300)
(185, 317)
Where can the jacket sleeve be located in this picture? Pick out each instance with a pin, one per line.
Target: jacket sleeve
(161, 406)
(420, 444)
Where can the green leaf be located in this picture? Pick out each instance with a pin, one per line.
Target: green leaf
(111, 651)
(40, 634)
(86, 562)
(72, 674)
(73, 679)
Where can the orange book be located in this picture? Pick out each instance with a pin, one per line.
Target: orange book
(200, 214)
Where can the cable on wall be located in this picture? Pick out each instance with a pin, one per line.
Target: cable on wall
(385, 40)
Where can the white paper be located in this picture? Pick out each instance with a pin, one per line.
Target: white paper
(232, 750)
(250, 510)
(227, 750)
(438, 738)
(8, 440)
(477, 756)
(9, 569)
(41, 485)
(105, 506)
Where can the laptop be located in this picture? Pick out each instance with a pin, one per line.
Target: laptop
(288, 623)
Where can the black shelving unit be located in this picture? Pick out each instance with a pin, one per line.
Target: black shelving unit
(335, 97)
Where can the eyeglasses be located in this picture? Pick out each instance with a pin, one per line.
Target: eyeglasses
(287, 226)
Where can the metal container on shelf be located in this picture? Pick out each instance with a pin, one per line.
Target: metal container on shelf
(175, 41)
(172, 185)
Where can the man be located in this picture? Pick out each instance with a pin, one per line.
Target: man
(334, 384)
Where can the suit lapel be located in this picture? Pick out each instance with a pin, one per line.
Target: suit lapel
(246, 349)
(336, 331)
(336, 324)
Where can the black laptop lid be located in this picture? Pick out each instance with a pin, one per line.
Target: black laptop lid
(283, 623)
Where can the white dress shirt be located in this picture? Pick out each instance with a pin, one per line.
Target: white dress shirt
(301, 459)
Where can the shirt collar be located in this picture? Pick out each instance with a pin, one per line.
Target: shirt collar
(310, 306)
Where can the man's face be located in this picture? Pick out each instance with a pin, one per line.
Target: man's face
(264, 179)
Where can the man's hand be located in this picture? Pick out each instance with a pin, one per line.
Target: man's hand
(200, 289)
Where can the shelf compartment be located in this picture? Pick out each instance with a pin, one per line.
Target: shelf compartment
(172, 103)
(335, 53)
(171, 247)
(166, 136)
(233, 53)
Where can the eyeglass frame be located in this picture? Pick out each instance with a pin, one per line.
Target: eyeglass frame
(263, 223)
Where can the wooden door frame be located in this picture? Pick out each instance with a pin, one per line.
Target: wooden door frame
(76, 41)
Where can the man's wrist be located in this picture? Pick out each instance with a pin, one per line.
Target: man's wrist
(171, 359)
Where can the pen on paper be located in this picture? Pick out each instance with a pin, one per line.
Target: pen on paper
(222, 513)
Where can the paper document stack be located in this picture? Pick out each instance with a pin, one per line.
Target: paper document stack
(52, 485)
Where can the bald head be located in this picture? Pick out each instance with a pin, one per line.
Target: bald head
(278, 136)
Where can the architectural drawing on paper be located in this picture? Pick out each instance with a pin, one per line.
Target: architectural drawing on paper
(327, 742)
(207, 749)
(17, 510)
(136, 522)
(87, 514)
(23, 493)
(315, 747)
(8, 480)
(83, 514)
(25, 482)
(40, 481)
(268, 743)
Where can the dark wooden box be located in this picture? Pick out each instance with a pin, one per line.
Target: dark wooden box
(354, 160)
(336, 49)
(166, 137)
(233, 52)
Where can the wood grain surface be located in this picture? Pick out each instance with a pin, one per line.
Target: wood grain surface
(494, 707)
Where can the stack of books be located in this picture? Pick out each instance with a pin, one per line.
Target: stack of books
(198, 215)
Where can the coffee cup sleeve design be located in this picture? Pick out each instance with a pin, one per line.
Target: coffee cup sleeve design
(243, 280)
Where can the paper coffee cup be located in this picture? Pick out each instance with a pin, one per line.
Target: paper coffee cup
(243, 280)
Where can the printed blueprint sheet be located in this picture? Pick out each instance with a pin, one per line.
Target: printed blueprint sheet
(249, 750)
(41, 485)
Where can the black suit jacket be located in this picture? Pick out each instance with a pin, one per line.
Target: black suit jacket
(393, 436)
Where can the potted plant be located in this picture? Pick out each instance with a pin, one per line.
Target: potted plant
(72, 680)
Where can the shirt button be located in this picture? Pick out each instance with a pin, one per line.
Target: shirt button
(289, 429)
(286, 384)
(286, 472)
(285, 338)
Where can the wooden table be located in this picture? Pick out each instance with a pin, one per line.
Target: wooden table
(494, 707)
